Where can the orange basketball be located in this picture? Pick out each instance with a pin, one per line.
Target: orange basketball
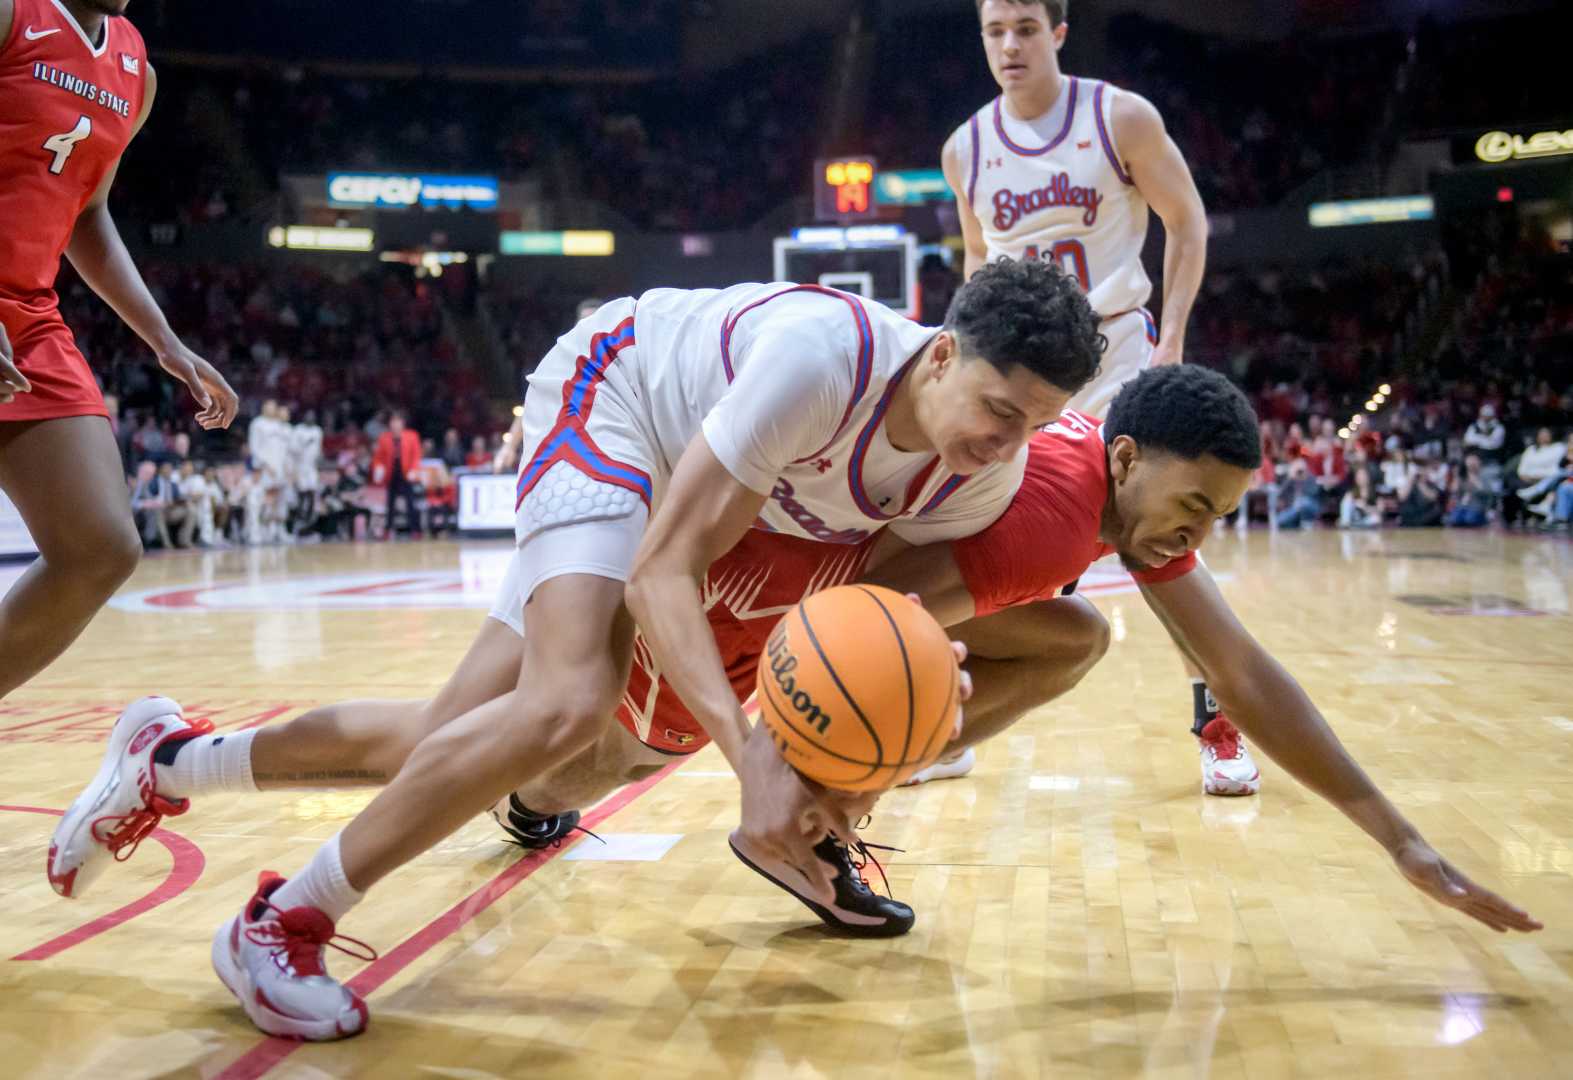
(859, 687)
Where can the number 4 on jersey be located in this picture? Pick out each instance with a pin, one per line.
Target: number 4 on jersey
(62, 145)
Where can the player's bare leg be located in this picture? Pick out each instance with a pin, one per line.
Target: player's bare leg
(1020, 658)
(65, 478)
(365, 743)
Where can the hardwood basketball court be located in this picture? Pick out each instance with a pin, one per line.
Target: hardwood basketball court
(1082, 909)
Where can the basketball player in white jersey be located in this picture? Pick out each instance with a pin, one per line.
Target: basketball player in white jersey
(305, 457)
(1065, 169)
(663, 430)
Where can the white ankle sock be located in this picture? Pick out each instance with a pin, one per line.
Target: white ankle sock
(209, 763)
(322, 885)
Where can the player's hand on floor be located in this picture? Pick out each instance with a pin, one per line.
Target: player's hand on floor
(785, 815)
(12, 381)
(218, 402)
(1439, 879)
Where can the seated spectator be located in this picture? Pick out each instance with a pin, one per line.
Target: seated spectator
(1303, 496)
(1420, 504)
(1473, 496)
(452, 449)
(1361, 507)
(151, 501)
(1539, 497)
(478, 457)
(1398, 471)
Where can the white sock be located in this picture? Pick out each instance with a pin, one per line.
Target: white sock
(322, 885)
(209, 763)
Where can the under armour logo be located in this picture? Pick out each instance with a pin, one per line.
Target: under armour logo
(994, 163)
(1084, 144)
(823, 465)
(884, 502)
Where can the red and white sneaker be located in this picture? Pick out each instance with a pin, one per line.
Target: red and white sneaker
(122, 806)
(272, 962)
(1227, 768)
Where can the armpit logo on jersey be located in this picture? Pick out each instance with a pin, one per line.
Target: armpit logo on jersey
(81, 88)
(782, 663)
(1010, 207)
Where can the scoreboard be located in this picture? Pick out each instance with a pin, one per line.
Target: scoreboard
(844, 189)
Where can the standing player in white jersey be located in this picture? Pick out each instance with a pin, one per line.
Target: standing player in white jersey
(663, 428)
(1064, 169)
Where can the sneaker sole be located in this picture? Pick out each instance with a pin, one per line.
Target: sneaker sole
(266, 1020)
(877, 928)
(1229, 789)
(79, 816)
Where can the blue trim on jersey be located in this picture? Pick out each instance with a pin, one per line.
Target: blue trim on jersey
(946, 490)
(547, 454)
(596, 368)
(1106, 140)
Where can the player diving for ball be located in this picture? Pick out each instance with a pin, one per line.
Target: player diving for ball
(665, 429)
(1178, 450)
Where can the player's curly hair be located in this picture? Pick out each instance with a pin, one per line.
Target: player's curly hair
(1190, 411)
(1055, 8)
(1028, 313)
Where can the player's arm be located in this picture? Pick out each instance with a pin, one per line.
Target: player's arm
(971, 228)
(1161, 175)
(704, 514)
(1266, 703)
(12, 381)
(100, 257)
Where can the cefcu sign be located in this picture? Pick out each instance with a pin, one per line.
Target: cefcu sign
(1497, 147)
(403, 190)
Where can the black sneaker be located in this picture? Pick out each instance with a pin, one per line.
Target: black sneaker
(532, 831)
(858, 910)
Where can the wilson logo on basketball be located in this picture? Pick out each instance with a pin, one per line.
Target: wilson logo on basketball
(782, 664)
(145, 736)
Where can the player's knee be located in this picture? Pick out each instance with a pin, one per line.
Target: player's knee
(102, 559)
(1093, 635)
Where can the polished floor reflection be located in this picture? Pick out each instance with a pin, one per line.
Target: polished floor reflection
(1083, 909)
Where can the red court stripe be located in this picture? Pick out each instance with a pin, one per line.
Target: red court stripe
(182, 875)
(268, 1053)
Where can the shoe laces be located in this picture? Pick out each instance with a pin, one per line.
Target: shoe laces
(1223, 738)
(122, 834)
(299, 935)
(543, 826)
(855, 857)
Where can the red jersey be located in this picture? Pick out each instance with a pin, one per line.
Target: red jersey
(746, 592)
(1049, 535)
(1045, 540)
(67, 109)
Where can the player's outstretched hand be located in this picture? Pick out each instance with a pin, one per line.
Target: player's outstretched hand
(785, 814)
(12, 381)
(218, 402)
(1439, 879)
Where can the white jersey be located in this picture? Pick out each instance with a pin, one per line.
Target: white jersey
(1056, 188)
(268, 442)
(790, 385)
(305, 451)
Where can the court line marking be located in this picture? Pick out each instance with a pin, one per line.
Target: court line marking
(188, 864)
(271, 1050)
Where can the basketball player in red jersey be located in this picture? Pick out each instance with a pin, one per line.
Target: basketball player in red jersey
(1065, 169)
(1178, 451)
(75, 86)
